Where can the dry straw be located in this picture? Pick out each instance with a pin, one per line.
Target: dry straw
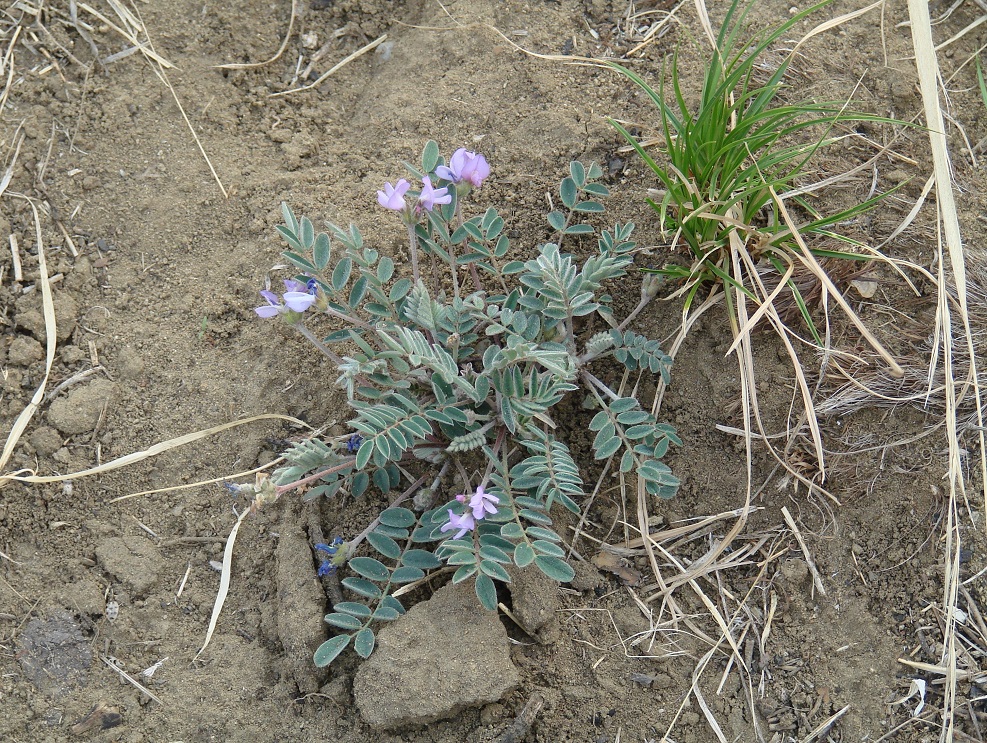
(952, 270)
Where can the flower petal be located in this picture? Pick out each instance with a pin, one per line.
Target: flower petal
(268, 311)
(298, 301)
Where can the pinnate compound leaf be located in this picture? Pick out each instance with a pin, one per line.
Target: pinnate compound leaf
(364, 643)
(330, 650)
(555, 568)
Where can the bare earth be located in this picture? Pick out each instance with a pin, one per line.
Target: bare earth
(156, 289)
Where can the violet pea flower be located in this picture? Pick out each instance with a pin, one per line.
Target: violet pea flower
(465, 165)
(464, 523)
(431, 197)
(294, 299)
(483, 504)
(392, 197)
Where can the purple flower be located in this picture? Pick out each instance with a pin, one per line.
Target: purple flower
(273, 306)
(325, 568)
(431, 197)
(467, 166)
(298, 297)
(464, 523)
(392, 197)
(483, 504)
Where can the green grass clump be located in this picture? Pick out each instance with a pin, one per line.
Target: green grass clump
(733, 159)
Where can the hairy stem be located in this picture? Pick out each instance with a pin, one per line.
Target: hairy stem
(342, 466)
(601, 386)
(314, 340)
(413, 241)
(376, 522)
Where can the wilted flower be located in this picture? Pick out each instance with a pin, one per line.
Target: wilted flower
(483, 504)
(467, 166)
(464, 523)
(392, 197)
(327, 566)
(330, 549)
(431, 197)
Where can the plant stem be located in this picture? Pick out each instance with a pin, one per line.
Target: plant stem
(349, 318)
(348, 463)
(599, 385)
(413, 241)
(645, 301)
(314, 340)
(376, 522)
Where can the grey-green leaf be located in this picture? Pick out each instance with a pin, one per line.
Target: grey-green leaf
(353, 608)
(407, 574)
(608, 448)
(362, 587)
(370, 568)
(397, 517)
(495, 570)
(422, 559)
(430, 156)
(555, 568)
(384, 544)
(486, 591)
(343, 621)
(330, 650)
(364, 642)
(320, 253)
(568, 193)
(523, 555)
(341, 273)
